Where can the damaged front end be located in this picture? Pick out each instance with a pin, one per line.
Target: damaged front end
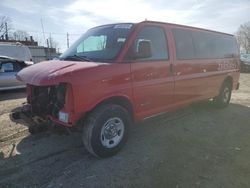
(51, 103)
(50, 91)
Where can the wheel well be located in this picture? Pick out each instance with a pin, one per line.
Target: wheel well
(229, 80)
(122, 101)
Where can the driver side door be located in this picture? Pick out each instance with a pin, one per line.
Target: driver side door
(152, 79)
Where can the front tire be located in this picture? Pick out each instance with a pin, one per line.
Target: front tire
(223, 99)
(106, 130)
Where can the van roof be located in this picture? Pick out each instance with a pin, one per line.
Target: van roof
(185, 26)
(172, 24)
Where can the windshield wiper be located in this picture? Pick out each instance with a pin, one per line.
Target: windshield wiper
(76, 57)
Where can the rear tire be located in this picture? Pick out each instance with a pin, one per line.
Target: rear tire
(223, 99)
(106, 130)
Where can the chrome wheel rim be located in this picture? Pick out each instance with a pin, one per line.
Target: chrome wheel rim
(112, 132)
(226, 94)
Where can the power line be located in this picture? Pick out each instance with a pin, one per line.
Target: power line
(53, 33)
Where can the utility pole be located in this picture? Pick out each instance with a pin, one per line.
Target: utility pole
(50, 40)
(6, 31)
(48, 47)
(43, 31)
(67, 39)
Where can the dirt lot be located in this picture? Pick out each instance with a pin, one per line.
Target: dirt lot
(199, 146)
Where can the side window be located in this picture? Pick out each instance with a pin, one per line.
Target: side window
(230, 46)
(210, 45)
(7, 67)
(203, 43)
(10, 67)
(183, 44)
(156, 37)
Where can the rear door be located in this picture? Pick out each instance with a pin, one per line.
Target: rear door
(189, 72)
(152, 80)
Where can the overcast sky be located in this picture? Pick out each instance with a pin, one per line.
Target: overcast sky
(76, 16)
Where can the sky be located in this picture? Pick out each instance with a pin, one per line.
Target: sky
(76, 16)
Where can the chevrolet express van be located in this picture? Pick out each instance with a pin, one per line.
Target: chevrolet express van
(116, 74)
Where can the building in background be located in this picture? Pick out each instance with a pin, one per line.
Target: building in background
(38, 53)
(41, 53)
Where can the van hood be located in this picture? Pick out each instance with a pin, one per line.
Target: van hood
(52, 72)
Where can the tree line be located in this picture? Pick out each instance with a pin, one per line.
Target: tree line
(8, 32)
(243, 37)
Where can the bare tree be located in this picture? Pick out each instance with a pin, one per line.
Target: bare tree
(5, 25)
(243, 37)
(20, 35)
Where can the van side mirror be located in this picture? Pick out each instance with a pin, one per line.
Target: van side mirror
(144, 50)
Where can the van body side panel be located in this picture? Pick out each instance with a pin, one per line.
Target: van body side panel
(215, 71)
(106, 81)
(199, 79)
(152, 88)
(202, 79)
(188, 83)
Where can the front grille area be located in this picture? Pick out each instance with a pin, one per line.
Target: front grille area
(47, 100)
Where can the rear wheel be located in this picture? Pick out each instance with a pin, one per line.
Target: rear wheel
(106, 130)
(223, 99)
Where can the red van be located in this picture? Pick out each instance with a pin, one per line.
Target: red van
(120, 73)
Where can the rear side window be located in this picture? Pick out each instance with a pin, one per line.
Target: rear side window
(210, 45)
(226, 46)
(183, 44)
(156, 36)
(203, 45)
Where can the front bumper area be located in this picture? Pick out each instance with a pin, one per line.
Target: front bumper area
(38, 124)
(58, 122)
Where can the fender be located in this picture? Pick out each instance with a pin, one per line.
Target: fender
(110, 97)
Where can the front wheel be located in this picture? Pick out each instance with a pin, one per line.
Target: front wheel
(223, 99)
(106, 130)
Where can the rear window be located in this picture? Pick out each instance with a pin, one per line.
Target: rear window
(203, 45)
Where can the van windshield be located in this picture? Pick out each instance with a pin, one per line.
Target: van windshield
(99, 44)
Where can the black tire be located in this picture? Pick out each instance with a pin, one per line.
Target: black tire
(223, 99)
(98, 123)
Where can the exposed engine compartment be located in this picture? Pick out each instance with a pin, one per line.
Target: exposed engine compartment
(47, 100)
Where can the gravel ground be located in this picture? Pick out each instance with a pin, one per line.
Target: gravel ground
(199, 146)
